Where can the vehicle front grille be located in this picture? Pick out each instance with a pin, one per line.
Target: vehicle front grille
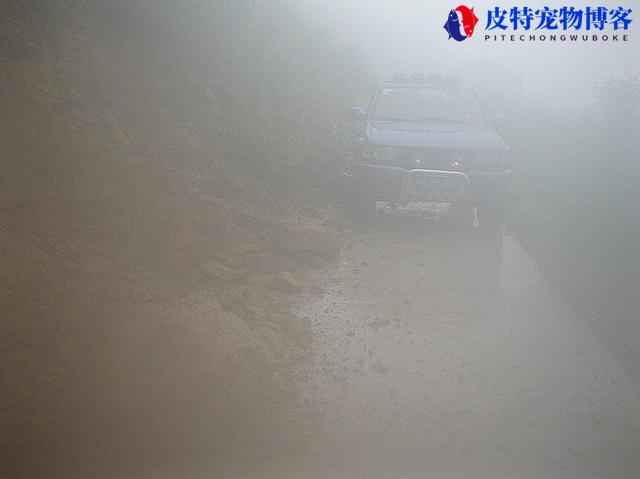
(421, 158)
(411, 158)
(442, 160)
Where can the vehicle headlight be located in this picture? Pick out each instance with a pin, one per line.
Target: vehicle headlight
(383, 154)
(459, 164)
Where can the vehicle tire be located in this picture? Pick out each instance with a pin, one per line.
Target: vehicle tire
(462, 215)
(364, 205)
(492, 215)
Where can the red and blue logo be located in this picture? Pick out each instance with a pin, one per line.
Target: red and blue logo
(461, 23)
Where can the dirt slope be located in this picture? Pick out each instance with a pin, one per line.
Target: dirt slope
(145, 316)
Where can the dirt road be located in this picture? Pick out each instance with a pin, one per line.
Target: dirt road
(441, 354)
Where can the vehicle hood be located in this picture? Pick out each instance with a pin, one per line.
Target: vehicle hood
(455, 136)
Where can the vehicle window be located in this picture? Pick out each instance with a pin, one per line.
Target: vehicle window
(428, 104)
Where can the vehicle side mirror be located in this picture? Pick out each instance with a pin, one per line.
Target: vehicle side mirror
(358, 113)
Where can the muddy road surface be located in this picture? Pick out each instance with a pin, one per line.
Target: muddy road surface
(446, 354)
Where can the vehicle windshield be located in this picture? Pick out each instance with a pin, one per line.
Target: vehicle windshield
(428, 104)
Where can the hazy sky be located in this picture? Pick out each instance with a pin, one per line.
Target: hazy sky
(408, 35)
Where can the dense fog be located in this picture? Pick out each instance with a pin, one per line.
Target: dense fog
(316, 239)
(406, 36)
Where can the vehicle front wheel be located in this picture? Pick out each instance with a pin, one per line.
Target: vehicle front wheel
(492, 215)
(463, 214)
(364, 205)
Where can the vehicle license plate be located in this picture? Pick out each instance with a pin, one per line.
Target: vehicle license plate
(434, 187)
